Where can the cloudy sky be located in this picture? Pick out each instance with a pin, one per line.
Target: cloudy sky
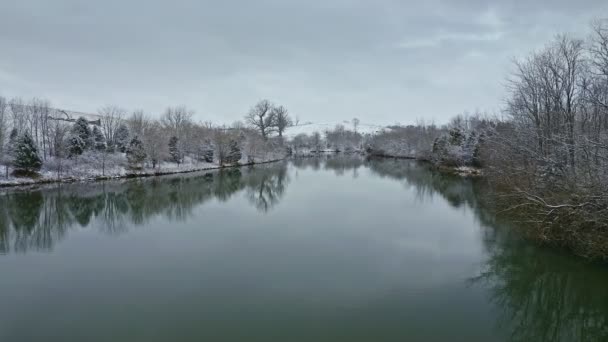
(383, 61)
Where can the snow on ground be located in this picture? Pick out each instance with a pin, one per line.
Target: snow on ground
(309, 128)
(92, 166)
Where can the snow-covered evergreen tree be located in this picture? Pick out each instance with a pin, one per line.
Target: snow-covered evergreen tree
(26, 154)
(174, 152)
(136, 154)
(75, 145)
(234, 153)
(121, 138)
(81, 129)
(208, 151)
(99, 140)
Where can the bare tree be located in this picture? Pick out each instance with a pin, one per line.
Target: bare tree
(154, 143)
(3, 127)
(178, 122)
(282, 120)
(111, 118)
(176, 119)
(356, 123)
(221, 140)
(19, 114)
(138, 122)
(316, 142)
(39, 111)
(262, 118)
(58, 133)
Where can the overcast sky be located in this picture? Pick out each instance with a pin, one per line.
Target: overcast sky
(383, 61)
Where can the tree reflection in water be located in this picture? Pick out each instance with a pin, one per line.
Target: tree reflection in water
(37, 219)
(542, 295)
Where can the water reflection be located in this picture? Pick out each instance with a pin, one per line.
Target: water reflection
(540, 295)
(36, 220)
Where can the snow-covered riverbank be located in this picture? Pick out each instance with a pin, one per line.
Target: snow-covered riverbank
(91, 168)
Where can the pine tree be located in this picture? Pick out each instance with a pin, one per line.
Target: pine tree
(208, 151)
(234, 153)
(81, 129)
(136, 154)
(121, 138)
(26, 155)
(76, 146)
(174, 152)
(98, 139)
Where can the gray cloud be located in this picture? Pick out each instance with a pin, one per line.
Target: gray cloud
(327, 60)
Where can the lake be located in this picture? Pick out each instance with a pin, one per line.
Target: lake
(323, 249)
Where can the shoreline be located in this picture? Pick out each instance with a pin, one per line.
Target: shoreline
(145, 174)
(463, 171)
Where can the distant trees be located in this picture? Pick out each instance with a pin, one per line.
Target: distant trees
(316, 142)
(92, 144)
(268, 118)
(343, 140)
(300, 142)
(412, 141)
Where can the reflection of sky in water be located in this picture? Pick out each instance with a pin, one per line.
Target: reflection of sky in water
(382, 255)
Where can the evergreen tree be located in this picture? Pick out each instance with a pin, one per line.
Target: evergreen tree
(26, 154)
(456, 136)
(136, 154)
(208, 151)
(99, 140)
(234, 153)
(121, 138)
(81, 129)
(76, 146)
(174, 151)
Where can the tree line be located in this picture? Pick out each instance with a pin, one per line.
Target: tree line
(35, 136)
(546, 154)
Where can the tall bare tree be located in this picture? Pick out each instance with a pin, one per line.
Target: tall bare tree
(111, 118)
(3, 126)
(356, 123)
(18, 114)
(138, 123)
(282, 120)
(261, 118)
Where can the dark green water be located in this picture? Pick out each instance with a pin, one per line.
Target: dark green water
(336, 249)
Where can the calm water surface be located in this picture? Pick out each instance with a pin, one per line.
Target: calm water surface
(333, 249)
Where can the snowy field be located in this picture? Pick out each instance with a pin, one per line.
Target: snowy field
(309, 128)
